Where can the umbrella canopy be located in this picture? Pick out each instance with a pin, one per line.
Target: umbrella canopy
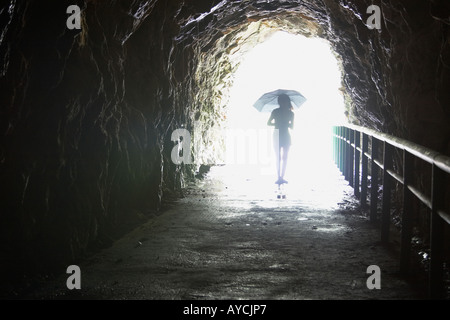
(269, 100)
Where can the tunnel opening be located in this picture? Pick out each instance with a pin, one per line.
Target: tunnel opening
(298, 63)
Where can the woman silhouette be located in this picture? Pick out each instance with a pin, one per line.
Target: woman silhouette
(282, 119)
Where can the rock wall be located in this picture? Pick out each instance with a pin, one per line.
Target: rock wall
(87, 115)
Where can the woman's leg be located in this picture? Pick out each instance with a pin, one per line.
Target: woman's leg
(278, 155)
(284, 159)
(277, 149)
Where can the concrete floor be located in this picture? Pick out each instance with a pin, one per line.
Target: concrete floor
(231, 238)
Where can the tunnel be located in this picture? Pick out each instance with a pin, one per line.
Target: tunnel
(90, 101)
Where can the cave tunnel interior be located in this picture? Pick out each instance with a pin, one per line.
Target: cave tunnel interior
(88, 113)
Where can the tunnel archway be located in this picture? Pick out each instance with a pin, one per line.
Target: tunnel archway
(88, 113)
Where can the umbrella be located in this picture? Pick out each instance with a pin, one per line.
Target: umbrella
(269, 100)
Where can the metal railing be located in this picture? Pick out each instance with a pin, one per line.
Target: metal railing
(352, 156)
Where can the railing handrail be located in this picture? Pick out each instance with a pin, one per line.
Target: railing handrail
(424, 153)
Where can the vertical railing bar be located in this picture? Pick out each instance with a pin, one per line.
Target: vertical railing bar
(436, 234)
(345, 154)
(374, 183)
(337, 146)
(357, 163)
(405, 249)
(351, 157)
(386, 200)
(341, 150)
(364, 169)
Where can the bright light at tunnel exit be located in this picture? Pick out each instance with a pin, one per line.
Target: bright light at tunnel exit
(286, 61)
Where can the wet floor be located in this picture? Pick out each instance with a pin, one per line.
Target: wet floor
(231, 238)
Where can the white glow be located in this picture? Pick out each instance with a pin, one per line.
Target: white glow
(286, 61)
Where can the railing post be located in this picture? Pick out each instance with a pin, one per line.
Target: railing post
(436, 234)
(405, 249)
(387, 186)
(345, 154)
(336, 144)
(351, 157)
(364, 169)
(341, 149)
(357, 138)
(374, 183)
(337, 147)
